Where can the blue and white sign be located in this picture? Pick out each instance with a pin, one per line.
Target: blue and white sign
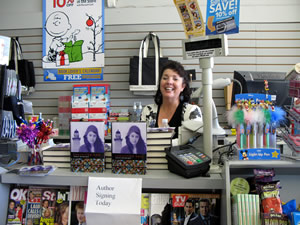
(73, 40)
(222, 16)
(259, 154)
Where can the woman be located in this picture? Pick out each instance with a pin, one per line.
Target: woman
(63, 214)
(92, 141)
(171, 99)
(134, 142)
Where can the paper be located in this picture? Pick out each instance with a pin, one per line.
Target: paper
(113, 201)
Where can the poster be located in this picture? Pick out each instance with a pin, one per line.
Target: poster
(73, 40)
(191, 17)
(222, 17)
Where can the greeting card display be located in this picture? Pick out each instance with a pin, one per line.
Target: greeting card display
(129, 147)
(87, 146)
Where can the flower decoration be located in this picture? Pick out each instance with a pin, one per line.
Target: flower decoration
(33, 134)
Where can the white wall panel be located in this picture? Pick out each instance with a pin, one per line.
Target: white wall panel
(269, 40)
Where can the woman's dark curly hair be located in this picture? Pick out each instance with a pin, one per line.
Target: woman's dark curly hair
(176, 66)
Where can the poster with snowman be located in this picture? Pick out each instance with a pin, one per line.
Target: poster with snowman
(73, 40)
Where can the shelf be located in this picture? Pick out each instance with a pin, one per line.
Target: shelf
(288, 167)
(154, 179)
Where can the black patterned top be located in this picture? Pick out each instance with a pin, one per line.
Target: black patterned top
(183, 112)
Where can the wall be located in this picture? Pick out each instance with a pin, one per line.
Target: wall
(268, 41)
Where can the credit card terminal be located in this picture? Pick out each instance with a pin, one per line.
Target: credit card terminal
(188, 161)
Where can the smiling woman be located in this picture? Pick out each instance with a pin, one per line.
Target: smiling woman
(171, 99)
(92, 141)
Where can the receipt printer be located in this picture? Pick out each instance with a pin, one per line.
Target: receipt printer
(187, 161)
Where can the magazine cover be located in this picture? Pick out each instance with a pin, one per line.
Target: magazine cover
(129, 147)
(62, 212)
(145, 209)
(48, 206)
(16, 213)
(87, 146)
(204, 208)
(34, 210)
(78, 196)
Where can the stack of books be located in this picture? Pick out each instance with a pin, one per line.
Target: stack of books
(157, 141)
(58, 155)
(246, 209)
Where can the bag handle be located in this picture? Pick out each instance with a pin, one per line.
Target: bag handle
(143, 52)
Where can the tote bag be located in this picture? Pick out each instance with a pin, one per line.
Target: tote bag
(144, 69)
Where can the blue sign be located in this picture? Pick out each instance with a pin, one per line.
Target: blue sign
(259, 154)
(73, 74)
(222, 17)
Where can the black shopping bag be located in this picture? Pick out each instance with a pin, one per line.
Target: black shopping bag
(144, 70)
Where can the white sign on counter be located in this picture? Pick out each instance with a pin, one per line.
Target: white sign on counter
(113, 201)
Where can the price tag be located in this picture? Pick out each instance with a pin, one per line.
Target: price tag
(113, 201)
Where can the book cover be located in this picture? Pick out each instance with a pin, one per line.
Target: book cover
(16, 213)
(87, 146)
(34, 209)
(48, 206)
(77, 204)
(145, 209)
(205, 206)
(62, 209)
(129, 147)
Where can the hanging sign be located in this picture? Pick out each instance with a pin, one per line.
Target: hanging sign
(222, 17)
(73, 40)
(113, 201)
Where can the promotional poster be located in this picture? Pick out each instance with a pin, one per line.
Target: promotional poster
(222, 17)
(73, 40)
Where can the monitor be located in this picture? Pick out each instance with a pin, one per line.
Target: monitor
(253, 82)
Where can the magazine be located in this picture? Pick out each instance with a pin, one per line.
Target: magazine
(205, 206)
(16, 213)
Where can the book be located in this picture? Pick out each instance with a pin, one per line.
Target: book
(48, 206)
(145, 209)
(16, 213)
(157, 147)
(165, 141)
(58, 164)
(77, 204)
(161, 154)
(159, 135)
(129, 148)
(34, 209)
(206, 206)
(56, 158)
(62, 206)
(56, 153)
(87, 146)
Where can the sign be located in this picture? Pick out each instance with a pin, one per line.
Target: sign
(73, 40)
(222, 17)
(113, 201)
